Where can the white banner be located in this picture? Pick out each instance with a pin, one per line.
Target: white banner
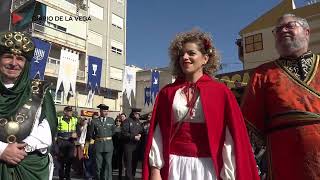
(89, 100)
(69, 64)
(129, 82)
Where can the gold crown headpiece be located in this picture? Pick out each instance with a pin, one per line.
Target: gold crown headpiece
(16, 43)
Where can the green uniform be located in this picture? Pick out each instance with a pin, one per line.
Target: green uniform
(101, 130)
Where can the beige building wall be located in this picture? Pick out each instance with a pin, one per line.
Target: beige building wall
(115, 61)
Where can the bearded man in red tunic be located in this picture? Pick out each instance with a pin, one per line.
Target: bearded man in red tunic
(282, 104)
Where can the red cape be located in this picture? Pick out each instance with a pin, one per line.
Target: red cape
(220, 109)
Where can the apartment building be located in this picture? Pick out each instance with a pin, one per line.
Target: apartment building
(256, 42)
(89, 28)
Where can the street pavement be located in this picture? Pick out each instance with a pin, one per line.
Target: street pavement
(114, 175)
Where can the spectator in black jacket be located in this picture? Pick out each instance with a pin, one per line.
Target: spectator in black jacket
(132, 133)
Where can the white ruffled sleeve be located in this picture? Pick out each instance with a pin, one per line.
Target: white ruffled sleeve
(3, 146)
(155, 155)
(229, 164)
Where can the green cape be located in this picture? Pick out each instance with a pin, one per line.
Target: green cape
(33, 166)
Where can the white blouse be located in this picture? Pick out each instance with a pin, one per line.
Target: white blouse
(191, 168)
(40, 137)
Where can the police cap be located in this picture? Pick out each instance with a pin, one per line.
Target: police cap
(103, 107)
(68, 108)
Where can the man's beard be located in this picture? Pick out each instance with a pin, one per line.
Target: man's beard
(288, 47)
(292, 44)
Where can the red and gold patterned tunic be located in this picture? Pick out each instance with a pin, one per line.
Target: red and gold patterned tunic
(282, 104)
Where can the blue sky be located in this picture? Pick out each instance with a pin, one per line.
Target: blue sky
(152, 24)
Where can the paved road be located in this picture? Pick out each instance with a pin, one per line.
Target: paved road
(114, 177)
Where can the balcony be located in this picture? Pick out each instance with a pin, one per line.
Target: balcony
(61, 4)
(52, 69)
(66, 6)
(57, 36)
(19, 3)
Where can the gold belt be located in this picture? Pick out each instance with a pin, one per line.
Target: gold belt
(103, 138)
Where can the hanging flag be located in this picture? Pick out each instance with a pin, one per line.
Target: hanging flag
(147, 96)
(129, 83)
(94, 73)
(39, 60)
(68, 69)
(16, 18)
(5, 6)
(22, 18)
(94, 78)
(154, 83)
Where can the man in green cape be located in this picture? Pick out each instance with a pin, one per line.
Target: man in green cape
(27, 113)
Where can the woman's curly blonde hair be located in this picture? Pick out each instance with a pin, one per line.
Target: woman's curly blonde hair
(205, 44)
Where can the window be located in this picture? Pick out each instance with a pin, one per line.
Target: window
(95, 38)
(253, 43)
(116, 50)
(96, 11)
(117, 21)
(116, 47)
(116, 73)
(58, 98)
(120, 1)
(53, 61)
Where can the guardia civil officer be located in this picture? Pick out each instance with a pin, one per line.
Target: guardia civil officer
(101, 131)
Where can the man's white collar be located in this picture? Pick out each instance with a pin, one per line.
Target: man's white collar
(9, 85)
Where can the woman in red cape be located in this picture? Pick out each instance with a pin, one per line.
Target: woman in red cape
(197, 131)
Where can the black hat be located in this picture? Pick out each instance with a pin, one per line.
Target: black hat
(103, 107)
(68, 108)
(135, 110)
(17, 43)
